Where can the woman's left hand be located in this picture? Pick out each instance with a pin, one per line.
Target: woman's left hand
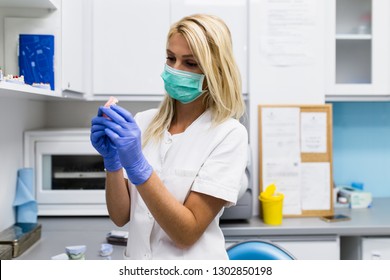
(124, 132)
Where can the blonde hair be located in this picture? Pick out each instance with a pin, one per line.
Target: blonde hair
(210, 41)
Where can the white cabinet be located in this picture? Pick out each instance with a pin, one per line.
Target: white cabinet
(47, 4)
(28, 17)
(365, 248)
(312, 247)
(235, 15)
(74, 46)
(376, 248)
(308, 247)
(129, 46)
(358, 50)
(115, 47)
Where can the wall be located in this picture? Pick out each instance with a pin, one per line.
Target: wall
(361, 145)
(16, 115)
(274, 82)
(71, 114)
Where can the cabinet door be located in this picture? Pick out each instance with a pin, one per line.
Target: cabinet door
(376, 248)
(312, 247)
(358, 48)
(129, 46)
(308, 247)
(73, 45)
(235, 15)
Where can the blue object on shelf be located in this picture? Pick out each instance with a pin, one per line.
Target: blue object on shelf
(357, 185)
(36, 58)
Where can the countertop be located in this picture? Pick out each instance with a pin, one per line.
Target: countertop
(59, 232)
(364, 222)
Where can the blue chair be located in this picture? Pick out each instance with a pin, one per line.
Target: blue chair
(258, 250)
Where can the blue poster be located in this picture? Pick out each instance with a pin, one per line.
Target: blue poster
(36, 58)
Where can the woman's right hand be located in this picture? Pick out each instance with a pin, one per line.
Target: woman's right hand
(103, 144)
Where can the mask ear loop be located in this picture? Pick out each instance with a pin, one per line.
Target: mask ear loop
(205, 85)
(205, 90)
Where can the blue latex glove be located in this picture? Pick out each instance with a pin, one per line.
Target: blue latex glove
(124, 132)
(103, 144)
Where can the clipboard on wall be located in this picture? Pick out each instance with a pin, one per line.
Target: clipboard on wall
(295, 153)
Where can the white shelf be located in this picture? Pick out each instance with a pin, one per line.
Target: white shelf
(8, 89)
(357, 98)
(353, 37)
(27, 4)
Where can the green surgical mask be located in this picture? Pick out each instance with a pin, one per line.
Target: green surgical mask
(182, 85)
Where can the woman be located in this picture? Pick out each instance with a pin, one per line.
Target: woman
(193, 153)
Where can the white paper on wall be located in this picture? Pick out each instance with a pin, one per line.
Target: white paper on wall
(315, 182)
(313, 132)
(290, 35)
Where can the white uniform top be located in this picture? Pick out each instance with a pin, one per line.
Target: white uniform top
(204, 158)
